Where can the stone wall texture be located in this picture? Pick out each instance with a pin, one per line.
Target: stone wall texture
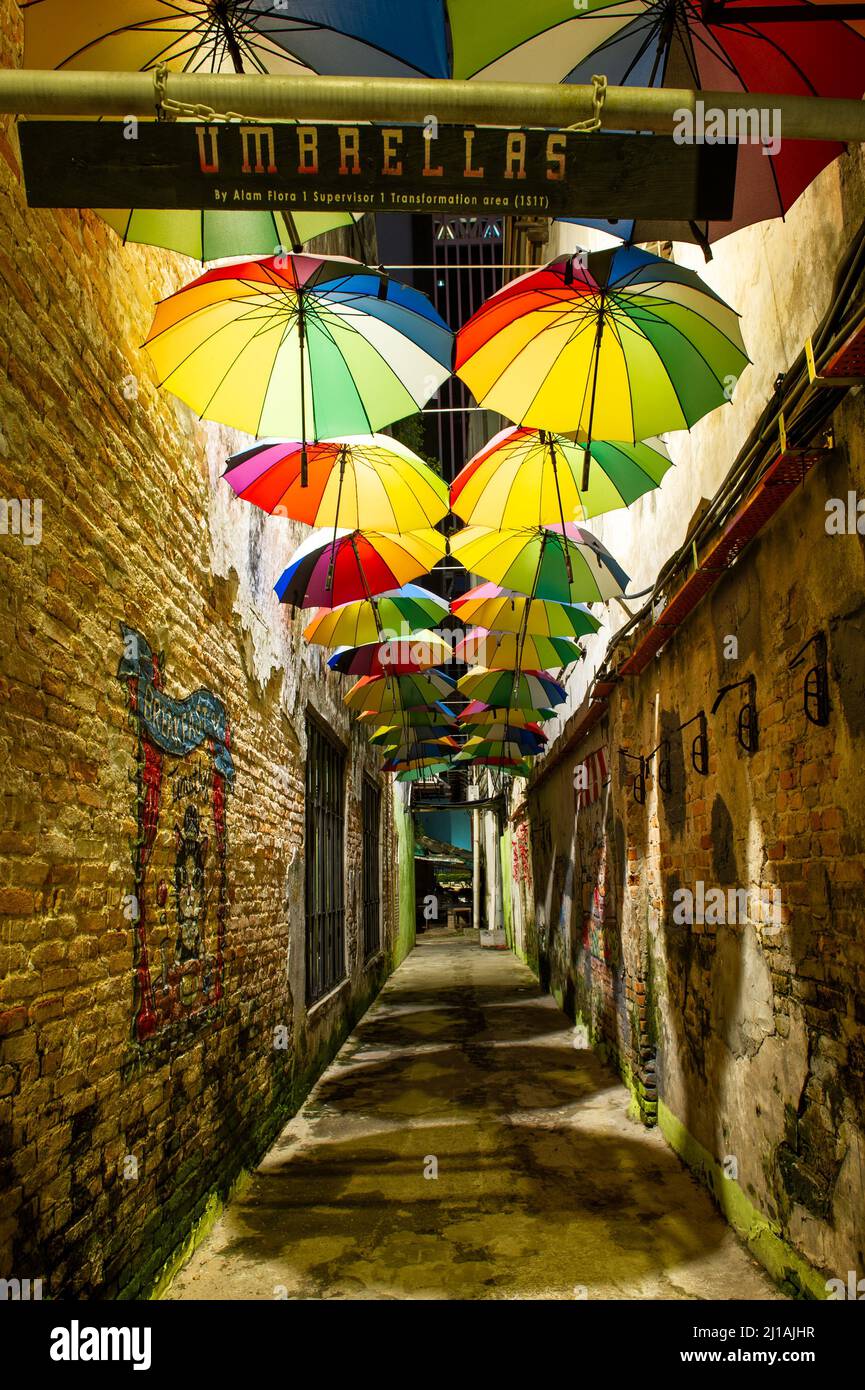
(744, 1039)
(114, 1151)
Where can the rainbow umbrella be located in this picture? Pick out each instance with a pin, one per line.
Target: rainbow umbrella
(386, 693)
(514, 767)
(428, 773)
(516, 743)
(523, 689)
(509, 650)
(284, 36)
(478, 713)
(615, 345)
(333, 568)
(309, 347)
(524, 476)
(421, 747)
(364, 481)
(391, 735)
(511, 722)
(423, 650)
(393, 615)
(504, 610)
(568, 565)
(435, 715)
(413, 764)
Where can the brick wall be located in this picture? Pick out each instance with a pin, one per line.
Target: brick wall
(747, 1037)
(113, 1149)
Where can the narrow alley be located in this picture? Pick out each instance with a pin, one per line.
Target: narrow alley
(432, 672)
(544, 1187)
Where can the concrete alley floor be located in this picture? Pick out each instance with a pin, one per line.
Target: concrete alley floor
(545, 1187)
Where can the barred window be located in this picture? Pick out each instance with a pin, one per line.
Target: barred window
(371, 809)
(325, 863)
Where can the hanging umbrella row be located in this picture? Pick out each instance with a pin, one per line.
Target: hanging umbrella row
(327, 351)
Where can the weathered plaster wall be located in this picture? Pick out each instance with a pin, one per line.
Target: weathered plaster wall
(744, 1040)
(112, 1150)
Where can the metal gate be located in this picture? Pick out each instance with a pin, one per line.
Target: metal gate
(371, 808)
(325, 863)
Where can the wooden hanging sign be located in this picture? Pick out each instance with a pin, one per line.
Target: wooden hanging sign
(317, 167)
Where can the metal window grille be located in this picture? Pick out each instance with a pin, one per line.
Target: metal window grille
(325, 864)
(371, 807)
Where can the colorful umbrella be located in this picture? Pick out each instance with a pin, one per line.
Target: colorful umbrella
(368, 481)
(527, 476)
(515, 767)
(389, 616)
(427, 773)
(504, 610)
(436, 715)
(303, 346)
(511, 722)
(671, 44)
(567, 565)
(509, 650)
(524, 689)
(374, 39)
(419, 653)
(515, 743)
(413, 748)
(212, 234)
(413, 764)
(616, 345)
(480, 713)
(391, 735)
(331, 568)
(385, 693)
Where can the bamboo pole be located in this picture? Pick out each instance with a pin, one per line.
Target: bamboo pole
(41, 92)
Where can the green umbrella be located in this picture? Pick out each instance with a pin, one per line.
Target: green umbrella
(213, 235)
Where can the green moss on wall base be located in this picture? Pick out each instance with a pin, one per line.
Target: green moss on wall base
(791, 1272)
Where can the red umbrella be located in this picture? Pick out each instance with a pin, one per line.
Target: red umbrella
(718, 47)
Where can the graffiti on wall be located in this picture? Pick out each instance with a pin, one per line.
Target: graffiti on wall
(597, 893)
(179, 904)
(521, 845)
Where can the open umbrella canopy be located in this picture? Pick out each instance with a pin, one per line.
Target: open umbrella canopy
(331, 568)
(527, 476)
(567, 565)
(515, 743)
(511, 722)
(478, 713)
(303, 346)
(672, 44)
(433, 715)
(365, 481)
(418, 653)
(509, 650)
(385, 693)
(618, 344)
(395, 614)
(413, 764)
(372, 39)
(391, 735)
(427, 773)
(515, 767)
(214, 234)
(524, 690)
(504, 610)
(412, 750)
